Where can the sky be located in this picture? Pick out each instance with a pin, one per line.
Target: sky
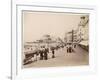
(37, 24)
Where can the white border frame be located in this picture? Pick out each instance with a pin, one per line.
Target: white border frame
(17, 72)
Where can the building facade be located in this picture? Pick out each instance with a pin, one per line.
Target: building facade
(83, 32)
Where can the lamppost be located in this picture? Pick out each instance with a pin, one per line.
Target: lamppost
(72, 36)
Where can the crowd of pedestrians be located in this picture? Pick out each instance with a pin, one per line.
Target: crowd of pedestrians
(43, 52)
(70, 48)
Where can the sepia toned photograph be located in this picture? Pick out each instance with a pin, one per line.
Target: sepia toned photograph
(54, 39)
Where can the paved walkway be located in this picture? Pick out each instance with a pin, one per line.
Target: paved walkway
(76, 58)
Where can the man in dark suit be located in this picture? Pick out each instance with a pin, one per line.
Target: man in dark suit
(41, 53)
(45, 54)
(53, 52)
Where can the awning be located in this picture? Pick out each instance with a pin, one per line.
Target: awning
(85, 43)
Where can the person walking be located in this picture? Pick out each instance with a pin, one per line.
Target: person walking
(70, 48)
(45, 53)
(41, 53)
(53, 52)
(67, 48)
